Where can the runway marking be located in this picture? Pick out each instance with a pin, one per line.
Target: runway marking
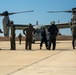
(35, 62)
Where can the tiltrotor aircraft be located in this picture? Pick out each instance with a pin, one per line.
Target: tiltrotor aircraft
(38, 27)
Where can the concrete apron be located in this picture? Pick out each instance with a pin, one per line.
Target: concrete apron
(61, 61)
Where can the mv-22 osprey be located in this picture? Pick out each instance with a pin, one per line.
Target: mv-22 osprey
(21, 27)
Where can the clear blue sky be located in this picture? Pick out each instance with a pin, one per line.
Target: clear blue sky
(40, 14)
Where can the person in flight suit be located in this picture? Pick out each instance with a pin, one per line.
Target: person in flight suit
(12, 37)
(43, 38)
(53, 30)
(20, 38)
(73, 29)
(29, 34)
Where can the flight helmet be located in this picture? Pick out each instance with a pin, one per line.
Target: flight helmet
(53, 22)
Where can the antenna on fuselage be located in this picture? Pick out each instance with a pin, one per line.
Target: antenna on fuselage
(36, 22)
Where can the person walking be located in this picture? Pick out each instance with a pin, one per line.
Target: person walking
(20, 38)
(73, 29)
(12, 37)
(53, 30)
(43, 38)
(29, 34)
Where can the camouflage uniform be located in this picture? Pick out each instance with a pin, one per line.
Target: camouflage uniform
(12, 37)
(29, 32)
(73, 29)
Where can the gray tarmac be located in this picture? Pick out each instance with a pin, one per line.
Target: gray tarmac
(61, 61)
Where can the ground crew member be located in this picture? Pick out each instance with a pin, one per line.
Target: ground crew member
(53, 30)
(12, 37)
(29, 34)
(43, 38)
(20, 38)
(73, 29)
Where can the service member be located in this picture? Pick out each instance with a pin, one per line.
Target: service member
(73, 29)
(20, 38)
(43, 38)
(53, 31)
(12, 36)
(29, 34)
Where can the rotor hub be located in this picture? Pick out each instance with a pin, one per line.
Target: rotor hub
(5, 13)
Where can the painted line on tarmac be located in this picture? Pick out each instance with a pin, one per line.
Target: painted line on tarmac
(36, 62)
